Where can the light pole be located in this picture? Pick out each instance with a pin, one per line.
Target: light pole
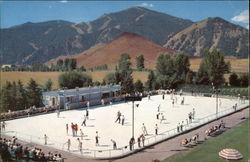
(216, 91)
(133, 99)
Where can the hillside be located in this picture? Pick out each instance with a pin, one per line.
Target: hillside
(40, 42)
(212, 33)
(109, 54)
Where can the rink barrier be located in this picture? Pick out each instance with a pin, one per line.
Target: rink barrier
(124, 151)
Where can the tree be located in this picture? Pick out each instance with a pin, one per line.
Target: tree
(140, 62)
(6, 97)
(139, 86)
(124, 74)
(21, 96)
(234, 80)
(165, 70)
(151, 80)
(110, 78)
(48, 85)
(34, 93)
(244, 80)
(214, 66)
(181, 64)
(74, 79)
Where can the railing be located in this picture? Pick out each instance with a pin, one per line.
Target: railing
(110, 153)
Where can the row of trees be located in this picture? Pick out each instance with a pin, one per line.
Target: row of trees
(14, 96)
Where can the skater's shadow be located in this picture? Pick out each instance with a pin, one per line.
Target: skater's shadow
(180, 149)
(87, 139)
(90, 126)
(104, 145)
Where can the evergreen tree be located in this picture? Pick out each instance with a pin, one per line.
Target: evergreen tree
(21, 97)
(151, 80)
(110, 78)
(34, 93)
(124, 74)
(6, 97)
(139, 86)
(140, 62)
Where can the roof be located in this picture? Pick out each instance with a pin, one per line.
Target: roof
(73, 92)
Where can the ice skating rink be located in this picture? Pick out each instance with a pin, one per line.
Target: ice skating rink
(102, 119)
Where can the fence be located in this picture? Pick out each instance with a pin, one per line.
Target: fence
(124, 150)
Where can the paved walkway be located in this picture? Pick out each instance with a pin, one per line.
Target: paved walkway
(160, 151)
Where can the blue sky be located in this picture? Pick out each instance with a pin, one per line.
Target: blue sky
(14, 13)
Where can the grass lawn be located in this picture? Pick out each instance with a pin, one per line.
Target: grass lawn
(236, 138)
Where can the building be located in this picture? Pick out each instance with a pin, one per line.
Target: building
(79, 97)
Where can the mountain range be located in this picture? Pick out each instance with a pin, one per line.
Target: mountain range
(41, 42)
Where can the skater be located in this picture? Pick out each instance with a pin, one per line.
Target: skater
(181, 127)
(67, 129)
(84, 121)
(73, 129)
(148, 96)
(80, 147)
(163, 96)
(68, 144)
(102, 101)
(157, 115)
(142, 139)
(193, 113)
(88, 104)
(81, 134)
(156, 129)
(144, 130)
(97, 139)
(131, 143)
(182, 101)
(190, 117)
(87, 114)
(139, 142)
(111, 103)
(162, 117)
(172, 102)
(76, 129)
(78, 140)
(58, 113)
(118, 117)
(180, 92)
(123, 119)
(178, 128)
(45, 139)
(159, 107)
(3, 125)
(114, 144)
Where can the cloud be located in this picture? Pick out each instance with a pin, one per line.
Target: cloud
(144, 4)
(243, 17)
(63, 1)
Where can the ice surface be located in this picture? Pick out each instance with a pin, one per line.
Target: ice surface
(102, 119)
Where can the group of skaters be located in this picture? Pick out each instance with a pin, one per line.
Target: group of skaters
(11, 150)
(120, 118)
(140, 142)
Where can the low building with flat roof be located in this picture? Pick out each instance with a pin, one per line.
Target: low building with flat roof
(81, 97)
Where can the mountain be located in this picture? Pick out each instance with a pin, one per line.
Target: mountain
(40, 42)
(109, 54)
(212, 33)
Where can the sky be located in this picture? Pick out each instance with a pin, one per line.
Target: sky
(15, 13)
